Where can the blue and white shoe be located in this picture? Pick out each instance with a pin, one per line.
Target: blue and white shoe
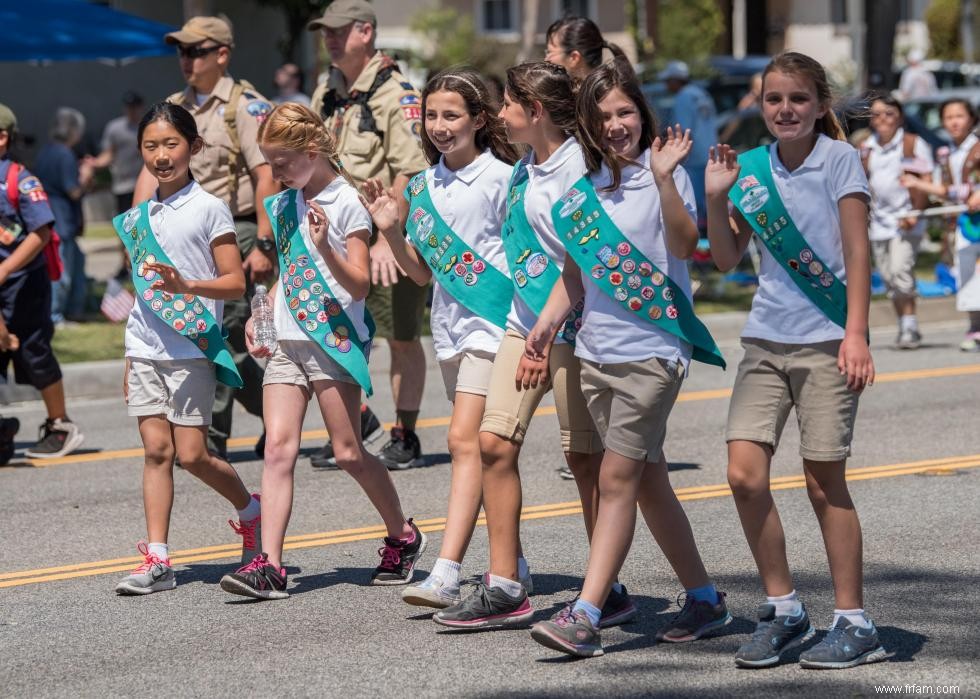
(773, 636)
(846, 645)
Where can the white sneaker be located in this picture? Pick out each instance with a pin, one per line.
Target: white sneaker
(56, 438)
(432, 592)
(154, 574)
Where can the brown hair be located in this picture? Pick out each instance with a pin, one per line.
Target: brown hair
(617, 74)
(548, 84)
(468, 84)
(581, 34)
(792, 63)
(298, 128)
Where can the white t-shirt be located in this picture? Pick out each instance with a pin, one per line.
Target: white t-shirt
(345, 215)
(957, 157)
(472, 201)
(611, 334)
(781, 312)
(185, 224)
(888, 197)
(547, 182)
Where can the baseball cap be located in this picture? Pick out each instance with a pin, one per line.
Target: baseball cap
(197, 29)
(675, 70)
(340, 13)
(8, 121)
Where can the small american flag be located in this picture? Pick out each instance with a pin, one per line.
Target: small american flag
(117, 302)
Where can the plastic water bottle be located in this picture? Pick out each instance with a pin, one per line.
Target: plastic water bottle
(262, 319)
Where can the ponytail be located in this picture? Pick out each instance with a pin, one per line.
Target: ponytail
(792, 63)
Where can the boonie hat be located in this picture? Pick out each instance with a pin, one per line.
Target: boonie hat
(675, 70)
(340, 13)
(197, 29)
(8, 121)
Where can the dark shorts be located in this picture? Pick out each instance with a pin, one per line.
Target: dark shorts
(26, 306)
(398, 310)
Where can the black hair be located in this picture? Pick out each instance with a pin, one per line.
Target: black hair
(581, 34)
(176, 116)
(888, 100)
(965, 103)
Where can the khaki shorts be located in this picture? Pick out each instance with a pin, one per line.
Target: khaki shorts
(467, 372)
(300, 363)
(773, 377)
(509, 409)
(630, 403)
(398, 310)
(182, 390)
(895, 260)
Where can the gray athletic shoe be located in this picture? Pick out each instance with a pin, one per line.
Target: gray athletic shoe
(432, 592)
(909, 339)
(569, 632)
(487, 608)
(695, 619)
(773, 636)
(846, 645)
(154, 574)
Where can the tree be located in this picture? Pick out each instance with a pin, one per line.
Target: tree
(943, 20)
(298, 13)
(688, 30)
(453, 40)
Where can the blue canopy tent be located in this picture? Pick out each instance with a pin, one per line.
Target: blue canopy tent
(76, 30)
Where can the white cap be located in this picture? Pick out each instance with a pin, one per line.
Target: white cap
(915, 55)
(675, 70)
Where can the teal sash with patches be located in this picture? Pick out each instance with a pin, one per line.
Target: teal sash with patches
(534, 273)
(460, 270)
(757, 199)
(309, 298)
(185, 313)
(624, 273)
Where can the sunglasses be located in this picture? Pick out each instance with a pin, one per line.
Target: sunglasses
(196, 51)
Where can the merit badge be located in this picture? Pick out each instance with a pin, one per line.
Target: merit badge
(577, 216)
(794, 264)
(668, 294)
(816, 268)
(198, 307)
(302, 260)
(322, 317)
(615, 278)
(762, 219)
(203, 344)
(202, 324)
(571, 200)
(189, 298)
(536, 264)
(826, 279)
(655, 312)
(460, 269)
(179, 305)
(635, 304)
(612, 262)
(342, 332)
(624, 249)
(301, 315)
(330, 340)
(289, 289)
(344, 346)
(634, 281)
(470, 279)
(620, 294)
(671, 311)
(167, 298)
(657, 278)
(148, 295)
(192, 332)
(433, 241)
(598, 272)
(806, 256)
(309, 275)
(291, 270)
(168, 314)
(149, 275)
(479, 266)
(468, 258)
(189, 316)
(646, 269)
(293, 303)
(647, 292)
(297, 282)
(578, 323)
(520, 278)
(313, 307)
(304, 294)
(334, 309)
(629, 266)
(316, 288)
(311, 325)
(156, 304)
(179, 324)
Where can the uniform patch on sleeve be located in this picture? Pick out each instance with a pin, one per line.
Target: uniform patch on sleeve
(407, 86)
(412, 112)
(417, 130)
(259, 109)
(31, 186)
(409, 98)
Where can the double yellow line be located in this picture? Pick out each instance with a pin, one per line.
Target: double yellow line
(941, 466)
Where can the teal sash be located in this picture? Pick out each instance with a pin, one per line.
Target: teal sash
(624, 273)
(460, 270)
(757, 199)
(532, 271)
(185, 313)
(309, 298)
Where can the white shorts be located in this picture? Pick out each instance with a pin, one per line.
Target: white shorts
(300, 363)
(968, 287)
(467, 372)
(182, 390)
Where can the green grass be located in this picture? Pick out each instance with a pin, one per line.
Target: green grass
(99, 231)
(88, 342)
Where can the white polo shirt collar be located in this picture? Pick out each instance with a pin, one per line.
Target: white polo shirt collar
(814, 161)
(466, 174)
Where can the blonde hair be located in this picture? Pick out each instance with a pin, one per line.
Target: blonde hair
(298, 128)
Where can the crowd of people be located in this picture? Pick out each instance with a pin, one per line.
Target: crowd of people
(553, 225)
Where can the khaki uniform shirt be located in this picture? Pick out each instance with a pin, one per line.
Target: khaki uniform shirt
(396, 109)
(210, 165)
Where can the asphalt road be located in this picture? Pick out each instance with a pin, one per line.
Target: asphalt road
(68, 530)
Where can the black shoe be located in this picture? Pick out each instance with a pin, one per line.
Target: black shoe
(260, 446)
(8, 430)
(398, 559)
(58, 437)
(402, 451)
(258, 579)
(618, 609)
(370, 432)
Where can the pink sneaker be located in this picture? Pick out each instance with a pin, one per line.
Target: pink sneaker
(251, 533)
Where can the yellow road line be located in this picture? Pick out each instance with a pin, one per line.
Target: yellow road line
(436, 524)
(684, 397)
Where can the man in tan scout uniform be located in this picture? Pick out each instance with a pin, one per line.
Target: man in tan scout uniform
(231, 167)
(374, 113)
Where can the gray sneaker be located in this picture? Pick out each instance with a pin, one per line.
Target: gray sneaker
(487, 608)
(773, 636)
(154, 574)
(846, 645)
(432, 592)
(695, 619)
(909, 339)
(569, 632)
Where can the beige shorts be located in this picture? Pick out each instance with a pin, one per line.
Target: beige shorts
(467, 372)
(509, 409)
(182, 390)
(300, 363)
(895, 260)
(630, 403)
(773, 377)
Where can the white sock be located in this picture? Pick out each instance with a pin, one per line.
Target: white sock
(161, 551)
(909, 323)
(523, 570)
(251, 511)
(787, 605)
(447, 570)
(854, 616)
(511, 587)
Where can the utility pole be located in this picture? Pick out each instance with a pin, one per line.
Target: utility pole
(738, 29)
(966, 29)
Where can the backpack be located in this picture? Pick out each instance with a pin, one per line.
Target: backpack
(919, 200)
(51, 251)
(238, 89)
(367, 122)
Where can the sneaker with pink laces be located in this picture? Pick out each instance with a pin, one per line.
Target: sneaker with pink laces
(258, 580)
(399, 558)
(251, 533)
(154, 574)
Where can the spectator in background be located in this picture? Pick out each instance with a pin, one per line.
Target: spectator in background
(695, 110)
(65, 181)
(289, 79)
(916, 80)
(121, 154)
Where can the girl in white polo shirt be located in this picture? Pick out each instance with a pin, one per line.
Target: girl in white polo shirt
(323, 340)
(627, 227)
(889, 153)
(185, 263)
(455, 212)
(538, 110)
(806, 344)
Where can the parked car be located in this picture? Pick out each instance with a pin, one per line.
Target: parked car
(926, 109)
